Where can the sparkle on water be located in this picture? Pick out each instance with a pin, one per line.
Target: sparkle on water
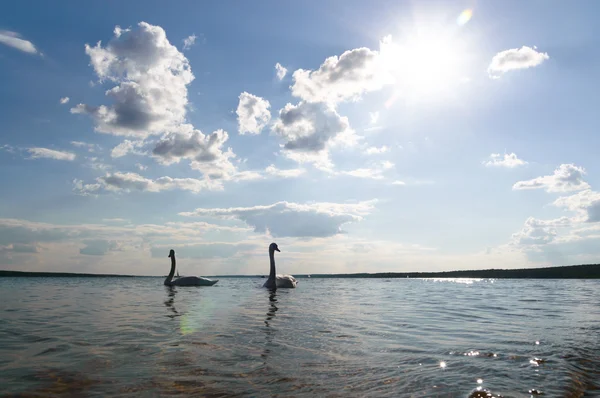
(329, 337)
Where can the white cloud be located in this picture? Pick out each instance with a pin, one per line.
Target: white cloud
(375, 171)
(97, 164)
(376, 151)
(253, 113)
(286, 173)
(567, 177)
(373, 117)
(398, 182)
(89, 147)
(319, 159)
(513, 59)
(13, 39)
(509, 160)
(126, 147)
(280, 71)
(539, 232)
(310, 129)
(39, 246)
(586, 203)
(134, 182)
(141, 167)
(204, 151)
(285, 219)
(152, 77)
(189, 41)
(64, 100)
(342, 78)
(50, 154)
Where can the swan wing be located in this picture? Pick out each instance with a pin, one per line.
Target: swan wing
(193, 281)
(286, 281)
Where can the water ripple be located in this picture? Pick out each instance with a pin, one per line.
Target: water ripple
(329, 337)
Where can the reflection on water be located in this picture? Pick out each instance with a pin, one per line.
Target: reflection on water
(269, 331)
(330, 337)
(171, 291)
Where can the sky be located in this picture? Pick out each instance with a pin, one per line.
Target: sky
(359, 136)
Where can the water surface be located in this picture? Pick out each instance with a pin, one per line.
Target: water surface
(329, 337)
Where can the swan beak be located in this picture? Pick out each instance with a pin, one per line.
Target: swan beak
(278, 249)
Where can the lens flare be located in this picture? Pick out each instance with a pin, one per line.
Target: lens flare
(464, 17)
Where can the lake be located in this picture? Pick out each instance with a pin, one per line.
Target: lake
(328, 337)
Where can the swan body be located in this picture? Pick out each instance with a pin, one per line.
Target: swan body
(285, 281)
(193, 281)
(185, 280)
(278, 281)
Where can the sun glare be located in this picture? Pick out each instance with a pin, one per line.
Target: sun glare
(423, 63)
(428, 59)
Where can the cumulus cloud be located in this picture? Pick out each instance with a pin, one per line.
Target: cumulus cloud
(586, 203)
(13, 39)
(567, 177)
(341, 78)
(189, 41)
(126, 147)
(64, 100)
(37, 153)
(285, 219)
(280, 71)
(285, 173)
(151, 76)
(134, 182)
(376, 151)
(253, 113)
(205, 152)
(516, 58)
(508, 160)
(539, 232)
(309, 129)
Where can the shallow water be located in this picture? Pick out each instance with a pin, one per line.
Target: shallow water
(329, 337)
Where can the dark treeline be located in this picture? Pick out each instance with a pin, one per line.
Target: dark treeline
(59, 274)
(590, 271)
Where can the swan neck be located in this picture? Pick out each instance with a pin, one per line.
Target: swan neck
(172, 272)
(272, 258)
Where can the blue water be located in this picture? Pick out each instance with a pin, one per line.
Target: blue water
(328, 337)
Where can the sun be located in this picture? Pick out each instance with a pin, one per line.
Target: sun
(425, 62)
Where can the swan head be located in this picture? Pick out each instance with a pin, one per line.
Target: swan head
(273, 247)
(171, 253)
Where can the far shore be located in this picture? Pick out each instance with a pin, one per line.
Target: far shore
(588, 271)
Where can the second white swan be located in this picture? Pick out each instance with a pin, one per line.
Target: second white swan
(278, 281)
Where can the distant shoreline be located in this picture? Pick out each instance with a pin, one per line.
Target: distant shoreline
(589, 271)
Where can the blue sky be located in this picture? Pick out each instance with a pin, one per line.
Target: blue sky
(396, 136)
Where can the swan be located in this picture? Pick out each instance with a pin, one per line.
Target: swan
(278, 281)
(185, 280)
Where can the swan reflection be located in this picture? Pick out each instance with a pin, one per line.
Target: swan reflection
(269, 331)
(171, 291)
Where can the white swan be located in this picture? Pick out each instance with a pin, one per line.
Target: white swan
(278, 281)
(185, 280)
